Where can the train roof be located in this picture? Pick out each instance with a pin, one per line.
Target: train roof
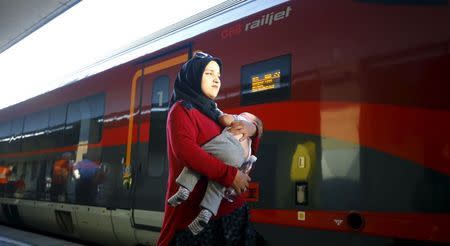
(202, 22)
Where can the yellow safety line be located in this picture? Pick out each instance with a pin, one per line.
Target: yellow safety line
(147, 70)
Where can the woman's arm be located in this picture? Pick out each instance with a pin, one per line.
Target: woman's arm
(252, 129)
(182, 133)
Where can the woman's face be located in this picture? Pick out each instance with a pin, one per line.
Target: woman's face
(211, 80)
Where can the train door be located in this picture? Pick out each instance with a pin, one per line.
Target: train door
(149, 157)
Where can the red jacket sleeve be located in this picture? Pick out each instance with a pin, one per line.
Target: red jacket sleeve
(182, 132)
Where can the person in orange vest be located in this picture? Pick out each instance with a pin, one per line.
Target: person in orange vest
(5, 172)
(61, 170)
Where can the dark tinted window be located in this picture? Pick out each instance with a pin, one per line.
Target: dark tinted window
(36, 122)
(34, 130)
(266, 81)
(97, 110)
(157, 146)
(57, 116)
(85, 120)
(34, 170)
(30, 169)
(57, 120)
(16, 132)
(5, 134)
(160, 94)
(5, 129)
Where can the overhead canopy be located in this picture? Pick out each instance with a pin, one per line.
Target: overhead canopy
(19, 18)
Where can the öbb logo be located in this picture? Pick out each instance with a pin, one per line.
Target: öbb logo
(266, 19)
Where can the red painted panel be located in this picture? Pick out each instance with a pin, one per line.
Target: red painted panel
(416, 134)
(428, 227)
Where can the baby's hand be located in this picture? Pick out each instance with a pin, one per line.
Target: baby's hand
(226, 120)
(245, 128)
(238, 136)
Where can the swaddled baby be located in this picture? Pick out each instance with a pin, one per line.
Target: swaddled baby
(231, 149)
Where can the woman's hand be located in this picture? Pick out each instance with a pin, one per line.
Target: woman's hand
(243, 127)
(240, 182)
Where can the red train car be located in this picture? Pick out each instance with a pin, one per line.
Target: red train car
(354, 99)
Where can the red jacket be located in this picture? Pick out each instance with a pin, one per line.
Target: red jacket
(187, 130)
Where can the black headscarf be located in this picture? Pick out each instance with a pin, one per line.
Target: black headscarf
(188, 85)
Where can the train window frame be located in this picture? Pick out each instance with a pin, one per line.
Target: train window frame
(281, 64)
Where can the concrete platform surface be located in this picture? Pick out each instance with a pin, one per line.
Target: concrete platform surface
(14, 237)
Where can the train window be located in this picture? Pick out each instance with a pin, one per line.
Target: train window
(160, 94)
(34, 129)
(84, 120)
(5, 129)
(41, 186)
(97, 109)
(5, 134)
(158, 116)
(22, 170)
(34, 169)
(29, 186)
(72, 128)
(35, 122)
(16, 132)
(266, 81)
(57, 120)
(57, 116)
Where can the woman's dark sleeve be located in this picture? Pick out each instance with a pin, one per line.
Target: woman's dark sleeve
(182, 133)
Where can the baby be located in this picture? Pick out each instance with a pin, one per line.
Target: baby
(229, 149)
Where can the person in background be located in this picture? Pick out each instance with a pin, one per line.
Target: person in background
(5, 173)
(19, 186)
(60, 175)
(86, 174)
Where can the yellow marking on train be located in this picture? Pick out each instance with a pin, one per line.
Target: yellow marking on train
(166, 64)
(147, 70)
(303, 161)
(136, 76)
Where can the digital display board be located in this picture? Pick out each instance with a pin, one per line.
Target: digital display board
(266, 81)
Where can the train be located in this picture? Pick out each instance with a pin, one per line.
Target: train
(353, 95)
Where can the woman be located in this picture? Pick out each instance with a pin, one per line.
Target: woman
(192, 121)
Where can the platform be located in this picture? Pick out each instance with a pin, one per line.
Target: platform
(11, 236)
